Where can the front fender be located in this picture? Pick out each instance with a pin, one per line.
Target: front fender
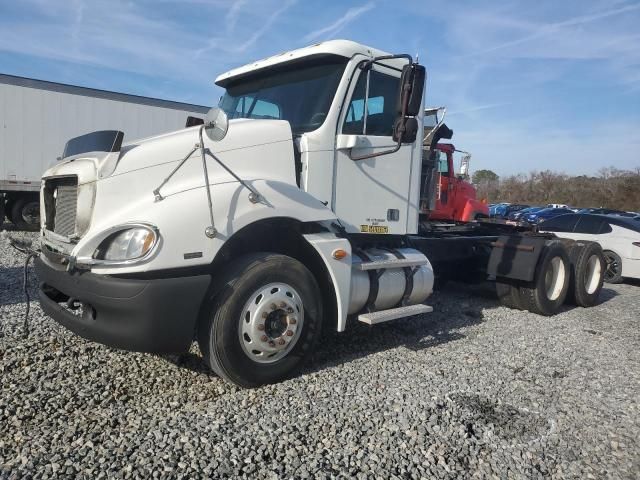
(472, 208)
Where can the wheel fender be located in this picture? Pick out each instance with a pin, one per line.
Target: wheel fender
(473, 207)
(339, 269)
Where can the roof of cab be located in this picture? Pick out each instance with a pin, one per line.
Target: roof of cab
(343, 48)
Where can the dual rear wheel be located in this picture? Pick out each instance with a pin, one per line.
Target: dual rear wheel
(572, 274)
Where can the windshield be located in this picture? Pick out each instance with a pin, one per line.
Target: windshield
(300, 93)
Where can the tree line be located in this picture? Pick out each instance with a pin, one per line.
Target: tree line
(610, 188)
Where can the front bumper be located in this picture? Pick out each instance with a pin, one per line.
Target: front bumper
(153, 315)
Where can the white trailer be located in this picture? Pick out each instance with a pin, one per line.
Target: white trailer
(38, 117)
(294, 208)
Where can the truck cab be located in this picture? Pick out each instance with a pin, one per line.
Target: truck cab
(456, 198)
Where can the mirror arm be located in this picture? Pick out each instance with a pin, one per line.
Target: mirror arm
(210, 231)
(156, 192)
(254, 196)
(366, 64)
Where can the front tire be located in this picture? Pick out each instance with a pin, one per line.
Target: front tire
(264, 322)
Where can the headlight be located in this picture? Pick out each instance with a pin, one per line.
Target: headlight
(128, 244)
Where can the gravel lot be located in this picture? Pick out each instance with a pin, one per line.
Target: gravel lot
(472, 390)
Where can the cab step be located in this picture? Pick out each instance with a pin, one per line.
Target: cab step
(373, 318)
(392, 263)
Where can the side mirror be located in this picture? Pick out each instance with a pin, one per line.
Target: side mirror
(216, 124)
(409, 103)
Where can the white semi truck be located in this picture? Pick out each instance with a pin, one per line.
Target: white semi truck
(293, 208)
(58, 112)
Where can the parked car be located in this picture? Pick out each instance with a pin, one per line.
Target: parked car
(517, 215)
(558, 205)
(493, 209)
(505, 210)
(619, 238)
(545, 214)
(607, 211)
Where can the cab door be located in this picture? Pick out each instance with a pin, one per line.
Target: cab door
(374, 195)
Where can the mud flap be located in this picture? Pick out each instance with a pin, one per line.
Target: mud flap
(515, 257)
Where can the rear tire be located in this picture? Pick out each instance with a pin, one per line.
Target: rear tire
(613, 272)
(546, 294)
(587, 274)
(509, 295)
(25, 214)
(264, 322)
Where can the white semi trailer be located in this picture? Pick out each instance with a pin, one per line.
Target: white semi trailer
(295, 207)
(38, 117)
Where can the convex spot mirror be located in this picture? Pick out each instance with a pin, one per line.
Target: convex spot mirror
(216, 124)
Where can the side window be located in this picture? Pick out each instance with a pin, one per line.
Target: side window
(443, 163)
(561, 223)
(605, 228)
(264, 109)
(374, 115)
(589, 224)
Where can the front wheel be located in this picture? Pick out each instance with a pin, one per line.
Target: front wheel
(264, 322)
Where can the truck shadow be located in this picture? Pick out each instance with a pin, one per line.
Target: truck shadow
(457, 309)
(453, 316)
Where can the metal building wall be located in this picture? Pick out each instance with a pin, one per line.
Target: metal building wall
(36, 123)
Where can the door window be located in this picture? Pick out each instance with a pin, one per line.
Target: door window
(562, 223)
(589, 224)
(375, 114)
(443, 163)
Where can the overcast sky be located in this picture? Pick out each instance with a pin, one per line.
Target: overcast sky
(528, 85)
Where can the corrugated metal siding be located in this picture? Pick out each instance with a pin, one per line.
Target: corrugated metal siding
(35, 125)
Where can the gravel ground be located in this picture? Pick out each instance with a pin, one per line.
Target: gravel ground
(472, 390)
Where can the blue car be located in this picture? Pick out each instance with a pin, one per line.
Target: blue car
(519, 215)
(497, 209)
(544, 214)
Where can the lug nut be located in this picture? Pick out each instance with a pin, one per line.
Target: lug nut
(292, 321)
(289, 310)
(289, 333)
(281, 341)
(260, 327)
(273, 306)
(282, 304)
(272, 343)
(265, 314)
(264, 338)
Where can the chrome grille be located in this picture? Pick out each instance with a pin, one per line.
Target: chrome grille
(61, 203)
(66, 204)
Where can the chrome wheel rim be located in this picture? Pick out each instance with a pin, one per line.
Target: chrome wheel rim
(554, 278)
(594, 269)
(271, 322)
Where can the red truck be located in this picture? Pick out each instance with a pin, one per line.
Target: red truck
(450, 197)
